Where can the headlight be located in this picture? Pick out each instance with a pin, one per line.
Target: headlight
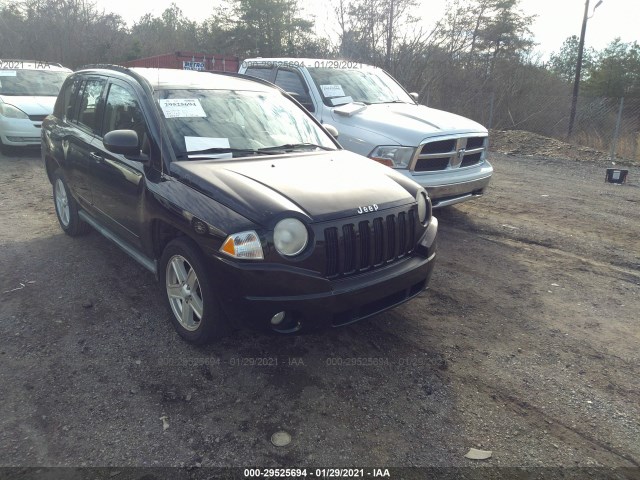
(290, 237)
(423, 207)
(243, 245)
(393, 155)
(10, 111)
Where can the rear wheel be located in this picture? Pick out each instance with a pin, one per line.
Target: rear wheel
(195, 311)
(67, 209)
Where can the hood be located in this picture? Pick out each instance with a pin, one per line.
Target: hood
(319, 186)
(404, 123)
(31, 105)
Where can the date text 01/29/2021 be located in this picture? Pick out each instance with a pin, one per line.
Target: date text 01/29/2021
(317, 473)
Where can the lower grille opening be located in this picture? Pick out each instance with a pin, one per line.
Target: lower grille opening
(376, 306)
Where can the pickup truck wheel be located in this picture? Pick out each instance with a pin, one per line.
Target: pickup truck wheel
(67, 209)
(196, 312)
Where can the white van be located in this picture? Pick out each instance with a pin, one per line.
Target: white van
(28, 91)
(377, 118)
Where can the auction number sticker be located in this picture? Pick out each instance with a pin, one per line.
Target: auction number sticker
(331, 91)
(182, 108)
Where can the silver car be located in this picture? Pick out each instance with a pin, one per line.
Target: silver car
(28, 91)
(377, 118)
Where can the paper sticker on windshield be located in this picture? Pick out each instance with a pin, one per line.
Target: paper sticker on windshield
(196, 144)
(330, 91)
(8, 73)
(182, 108)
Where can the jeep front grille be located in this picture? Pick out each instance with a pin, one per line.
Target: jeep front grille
(356, 247)
(450, 153)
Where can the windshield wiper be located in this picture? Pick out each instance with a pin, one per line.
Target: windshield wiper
(288, 147)
(389, 101)
(220, 150)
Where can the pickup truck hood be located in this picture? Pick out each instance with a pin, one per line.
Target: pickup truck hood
(403, 123)
(320, 186)
(31, 105)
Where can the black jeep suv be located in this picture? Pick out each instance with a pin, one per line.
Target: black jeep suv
(241, 203)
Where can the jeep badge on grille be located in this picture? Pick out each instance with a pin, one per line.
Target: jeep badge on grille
(368, 208)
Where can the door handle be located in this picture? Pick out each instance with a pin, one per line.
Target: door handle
(96, 157)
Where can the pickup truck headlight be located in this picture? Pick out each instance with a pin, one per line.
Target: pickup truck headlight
(290, 237)
(243, 245)
(393, 155)
(10, 111)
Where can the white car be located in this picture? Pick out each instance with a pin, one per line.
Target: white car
(28, 91)
(377, 118)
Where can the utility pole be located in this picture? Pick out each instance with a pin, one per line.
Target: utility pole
(576, 83)
(389, 38)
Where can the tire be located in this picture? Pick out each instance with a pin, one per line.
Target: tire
(67, 208)
(4, 149)
(186, 285)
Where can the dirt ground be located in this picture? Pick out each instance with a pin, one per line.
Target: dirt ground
(526, 344)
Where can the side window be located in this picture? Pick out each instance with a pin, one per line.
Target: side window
(122, 112)
(291, 82)
(66, 102)
(90, 104)
(263, 73)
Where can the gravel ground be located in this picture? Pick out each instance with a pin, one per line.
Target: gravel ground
(525, 345)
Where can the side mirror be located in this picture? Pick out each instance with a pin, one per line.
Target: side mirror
(333, 131)
(414, 95)
(124, 142)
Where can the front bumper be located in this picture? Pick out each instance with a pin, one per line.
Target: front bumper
(448, 187)
(17, 132)
(253, 293)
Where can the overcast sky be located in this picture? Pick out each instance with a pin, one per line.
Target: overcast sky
(556, 19)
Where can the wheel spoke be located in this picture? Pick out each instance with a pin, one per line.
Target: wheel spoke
(192, 279)
(196, 305)
(186, 314)
(174, 291)
(178, 267)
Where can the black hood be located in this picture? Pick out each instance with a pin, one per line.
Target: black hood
(319, 186)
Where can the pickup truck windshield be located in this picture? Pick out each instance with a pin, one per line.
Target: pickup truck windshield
(234, 123)
(36, 83)
(367, 85)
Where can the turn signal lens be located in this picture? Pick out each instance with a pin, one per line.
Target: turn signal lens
(243, 245)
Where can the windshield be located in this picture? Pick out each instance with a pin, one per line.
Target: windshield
(37, 83)
(367, 85)
(240, 122)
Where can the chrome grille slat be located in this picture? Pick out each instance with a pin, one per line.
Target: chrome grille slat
(452, 153)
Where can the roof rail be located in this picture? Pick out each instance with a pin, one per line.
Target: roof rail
(109, 66)
(119, 68)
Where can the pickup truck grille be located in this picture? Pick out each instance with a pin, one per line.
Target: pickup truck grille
(355, 247)
(450, 153)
